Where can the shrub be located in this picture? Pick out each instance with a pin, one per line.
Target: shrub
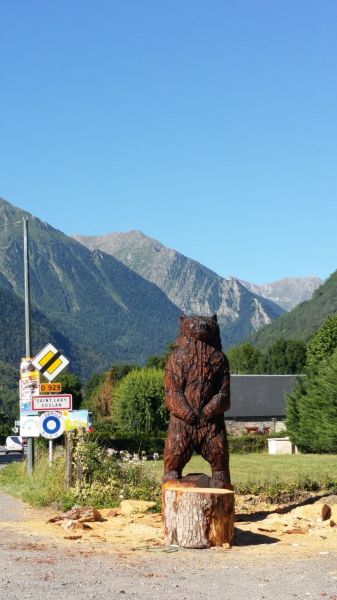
(137, 443)
(242, 444)
(141, 442)
(139, 402)
(103, 480)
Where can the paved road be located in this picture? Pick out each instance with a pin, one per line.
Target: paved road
(6, 459)
(40, 567)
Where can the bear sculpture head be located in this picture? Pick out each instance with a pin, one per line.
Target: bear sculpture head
(203, 329)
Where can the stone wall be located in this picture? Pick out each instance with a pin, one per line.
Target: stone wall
(239, 427)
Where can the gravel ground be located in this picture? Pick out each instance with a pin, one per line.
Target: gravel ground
(35, 566)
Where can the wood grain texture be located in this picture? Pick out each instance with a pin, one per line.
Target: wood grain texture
(197, 517)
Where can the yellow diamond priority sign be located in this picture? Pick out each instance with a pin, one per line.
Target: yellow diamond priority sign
(50, 362)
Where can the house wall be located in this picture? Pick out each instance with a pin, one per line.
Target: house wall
(239, 427)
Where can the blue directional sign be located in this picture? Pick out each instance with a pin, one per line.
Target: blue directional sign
(51, 425)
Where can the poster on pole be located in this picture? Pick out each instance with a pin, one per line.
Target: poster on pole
(75, 419)
(29, 385)
(30, 426)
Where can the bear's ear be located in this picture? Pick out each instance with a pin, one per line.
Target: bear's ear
(214, 317)
(182, 317)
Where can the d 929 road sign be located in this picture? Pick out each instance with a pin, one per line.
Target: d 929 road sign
(50, 362)
(51, 388)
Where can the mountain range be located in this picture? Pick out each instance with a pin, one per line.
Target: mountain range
(287, 292)
(113, 298)
(191, 286)
(90, 298)
(304, 320)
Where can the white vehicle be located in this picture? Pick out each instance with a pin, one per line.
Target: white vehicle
(14, 444)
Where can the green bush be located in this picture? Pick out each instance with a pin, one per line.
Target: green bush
(137, 443)
(139, 402)
(106, 436)
(242, 444)
(105, 480)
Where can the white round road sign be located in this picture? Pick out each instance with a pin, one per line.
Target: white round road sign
(52, 425)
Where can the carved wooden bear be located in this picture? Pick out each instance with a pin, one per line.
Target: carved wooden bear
(197, 395)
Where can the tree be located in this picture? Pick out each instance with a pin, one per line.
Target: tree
(71, 384)
(293, 400)
(323, 343)
(245, 359)
(286, 357)
(318, 409)
(99, 390)
(158, 361)
(312, 407)
(9, 399)
(139, 402)
(312, 410)
(90, 388)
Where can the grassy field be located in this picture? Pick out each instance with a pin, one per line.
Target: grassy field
(275, 478)
(254, 473)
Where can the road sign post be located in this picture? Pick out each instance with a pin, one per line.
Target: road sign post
(30, 442)
(51, 452)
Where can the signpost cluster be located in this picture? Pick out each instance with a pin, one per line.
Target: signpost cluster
(44, 410)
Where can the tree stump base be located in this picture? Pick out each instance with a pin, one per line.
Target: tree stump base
(197, 517)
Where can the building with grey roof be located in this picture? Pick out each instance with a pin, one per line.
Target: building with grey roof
(258, 402)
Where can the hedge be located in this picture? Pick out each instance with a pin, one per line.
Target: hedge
(141, 442)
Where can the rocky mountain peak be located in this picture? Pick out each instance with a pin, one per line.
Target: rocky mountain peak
(191, 286)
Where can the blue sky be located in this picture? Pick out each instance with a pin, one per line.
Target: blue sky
(210, 126)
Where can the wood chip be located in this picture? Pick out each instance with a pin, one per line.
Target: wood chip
(325, 512)
(295, 530)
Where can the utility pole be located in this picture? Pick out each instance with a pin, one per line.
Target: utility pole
(30, 447)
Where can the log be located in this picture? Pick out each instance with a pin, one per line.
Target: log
(196, 517)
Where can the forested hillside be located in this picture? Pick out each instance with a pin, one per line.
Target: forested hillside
(304, 320)
(9, 398)
(12, 336)
(90, 298)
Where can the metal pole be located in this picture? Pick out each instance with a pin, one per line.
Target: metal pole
(51, 452)
(27, 288)
(30, 443)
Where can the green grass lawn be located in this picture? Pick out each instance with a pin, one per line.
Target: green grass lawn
(275, 478)
(255, 471)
